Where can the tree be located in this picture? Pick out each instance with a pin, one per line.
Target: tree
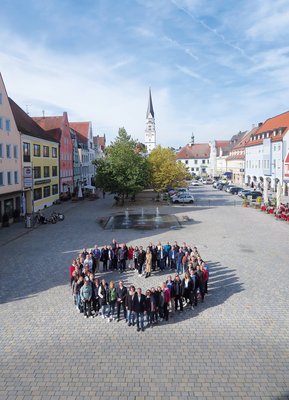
(124, 169)
(165, 170)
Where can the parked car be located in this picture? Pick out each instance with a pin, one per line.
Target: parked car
(243, 192)
(208, 181)
(235, 190)
(220, 186)
(183, 198)
(228, 187)
(195, 183)
(253, 194)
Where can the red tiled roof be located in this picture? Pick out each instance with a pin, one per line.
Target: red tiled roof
(236, 157)
(271, 124)
(198, 150)
(80, 137)
(245, 139)
(28, 126)
(48, 123)
(101, 141)
(81, 127)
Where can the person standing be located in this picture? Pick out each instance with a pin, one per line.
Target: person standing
(141, 260)
(104, 258)
(129, 303)
(85, 295)
(103, 298)
(139, 303)
(167, 299)
(112, 297)
(121, 293)
(148, 263)
(178, 293)
(96, 255)
(130, 258)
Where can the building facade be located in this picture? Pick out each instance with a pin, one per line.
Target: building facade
(196, 156)
(266, 153)
(236, 159)
(76, 161)
(40, 162)
(150, 131)
(218, 154)
(66, 148)
(85, 130)
(10, 158)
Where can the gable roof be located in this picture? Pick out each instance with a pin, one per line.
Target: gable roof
(225, 145)
(28, 126)
(280, 121)
(81, 127)
(245, 139)
(198, 150)
(49, 122)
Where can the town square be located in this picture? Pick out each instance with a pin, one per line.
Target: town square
(144, 200)
(234, 345)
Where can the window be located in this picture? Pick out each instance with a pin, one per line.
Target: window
(8, 150)
(259, 164)
(46, 172)
(186, 162)
(45, 151)
(26, 152)
(197, 169)
(46, 191)
(192, 169)
(16, 177)
(1, 150)
(36, 150)
(1, 179)
(9, 180)
(37, 172)
(7, 125)
(196, 161)
(54, 152)
(37, 193)
(54, 189)
(203, 161)
(15, 151)
(1, 123)
(54, 171)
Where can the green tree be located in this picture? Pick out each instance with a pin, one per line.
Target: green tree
(124, 169)
(165, 170)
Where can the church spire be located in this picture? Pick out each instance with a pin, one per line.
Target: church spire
(150, 132)
(150, 110)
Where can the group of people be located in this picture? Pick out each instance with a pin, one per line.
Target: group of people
(186, 284)
(121, 257)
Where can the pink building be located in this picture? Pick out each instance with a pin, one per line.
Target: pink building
(66, 148)
(10, 159)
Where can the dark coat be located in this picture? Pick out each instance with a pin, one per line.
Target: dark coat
(139, 305)
(129, 301)
(141, 257)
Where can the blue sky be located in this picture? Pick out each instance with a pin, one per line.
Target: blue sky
(215, 67)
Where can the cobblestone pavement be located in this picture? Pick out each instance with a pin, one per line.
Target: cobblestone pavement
(234, 346)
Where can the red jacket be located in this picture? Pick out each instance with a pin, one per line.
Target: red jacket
(72, 269)
(130, 253)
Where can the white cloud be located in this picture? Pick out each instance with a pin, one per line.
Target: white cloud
(191, 73)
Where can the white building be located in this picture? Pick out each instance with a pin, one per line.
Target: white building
(150, 132)
(266, 153)
(218, 153)
(196, 156)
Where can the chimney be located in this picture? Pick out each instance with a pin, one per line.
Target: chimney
(260, 124)
(43, 113)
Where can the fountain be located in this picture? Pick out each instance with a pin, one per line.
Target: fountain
(141, 220)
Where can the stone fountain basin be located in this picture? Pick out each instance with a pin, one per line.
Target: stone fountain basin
(141, 222)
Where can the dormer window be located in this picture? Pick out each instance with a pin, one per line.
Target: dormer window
(280, 131)
(268, 134)
(251, 138)
(274, 133)
(259, 137)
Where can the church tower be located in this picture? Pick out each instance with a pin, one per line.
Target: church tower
(150, 132)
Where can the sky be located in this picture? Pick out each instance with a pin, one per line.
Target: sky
(214, 67)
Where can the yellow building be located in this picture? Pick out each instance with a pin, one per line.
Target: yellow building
(40, 161)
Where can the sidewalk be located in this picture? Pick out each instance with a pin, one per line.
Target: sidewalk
(18, 229)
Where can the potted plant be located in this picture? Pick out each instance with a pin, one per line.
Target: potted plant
(5, 220)
(258, 202)
(245, 202)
